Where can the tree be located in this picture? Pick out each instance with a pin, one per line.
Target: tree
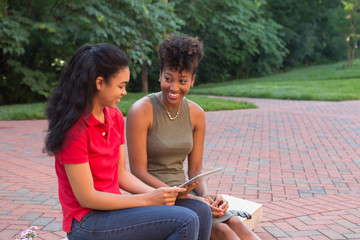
(312, 29)
(37, 37)
(239, 41)
(154, 20)
(352, 11)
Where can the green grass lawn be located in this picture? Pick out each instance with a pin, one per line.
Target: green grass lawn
(36, 110)
(207, 103)
(331, 82)
(22, 111)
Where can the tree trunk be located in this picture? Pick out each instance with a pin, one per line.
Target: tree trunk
(144, 77)
(144, 72)
(351, 53)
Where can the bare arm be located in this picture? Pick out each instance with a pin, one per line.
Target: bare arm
(216, 203)
(195, 157)
(81, 182)
(138, 122)
(127, 180)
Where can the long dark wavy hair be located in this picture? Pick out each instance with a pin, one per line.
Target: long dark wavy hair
(73, 96)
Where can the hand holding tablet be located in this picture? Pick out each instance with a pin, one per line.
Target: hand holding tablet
(199, 177)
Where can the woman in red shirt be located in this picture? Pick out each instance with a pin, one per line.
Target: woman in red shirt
(86, 135)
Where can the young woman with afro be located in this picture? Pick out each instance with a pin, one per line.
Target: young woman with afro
(165, 128)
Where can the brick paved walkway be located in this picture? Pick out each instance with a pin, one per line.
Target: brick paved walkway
(300, 159)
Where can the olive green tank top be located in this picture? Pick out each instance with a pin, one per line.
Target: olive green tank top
(169, 142)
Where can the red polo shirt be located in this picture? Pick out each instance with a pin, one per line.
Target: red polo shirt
(97, 143)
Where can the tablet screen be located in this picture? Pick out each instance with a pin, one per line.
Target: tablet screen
(201, 176)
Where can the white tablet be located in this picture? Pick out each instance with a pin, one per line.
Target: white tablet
(201, 176)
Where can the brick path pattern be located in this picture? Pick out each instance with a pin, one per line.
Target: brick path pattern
(300, 159)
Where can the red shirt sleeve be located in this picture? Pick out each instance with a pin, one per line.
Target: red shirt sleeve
(75, 146)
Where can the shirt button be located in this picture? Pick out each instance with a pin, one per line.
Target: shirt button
(103, 134)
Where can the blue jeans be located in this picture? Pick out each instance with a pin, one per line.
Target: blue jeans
(204, 214)
(155, 222)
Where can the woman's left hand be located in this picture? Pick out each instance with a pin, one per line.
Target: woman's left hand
(218, 205)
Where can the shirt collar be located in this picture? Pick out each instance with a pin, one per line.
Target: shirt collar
(91, 121)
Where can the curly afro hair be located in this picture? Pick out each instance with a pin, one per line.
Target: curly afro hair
(180, 53)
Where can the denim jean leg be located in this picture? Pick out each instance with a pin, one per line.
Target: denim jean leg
(156, 222)
(204, 213)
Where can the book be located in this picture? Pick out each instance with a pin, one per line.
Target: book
(201, 176)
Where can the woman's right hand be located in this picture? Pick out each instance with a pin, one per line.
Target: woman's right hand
(188, 188)
(164, 195)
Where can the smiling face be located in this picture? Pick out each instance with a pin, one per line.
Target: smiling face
(175, 86)
(109, 94)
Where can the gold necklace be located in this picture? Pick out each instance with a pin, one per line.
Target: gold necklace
(167, 112)
(176, 115)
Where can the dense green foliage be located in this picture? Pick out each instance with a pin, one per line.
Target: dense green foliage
(36, 37)
(312, 29)
(239, 41)
(242, 38)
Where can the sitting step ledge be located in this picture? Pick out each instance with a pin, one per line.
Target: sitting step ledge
(254, 208)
